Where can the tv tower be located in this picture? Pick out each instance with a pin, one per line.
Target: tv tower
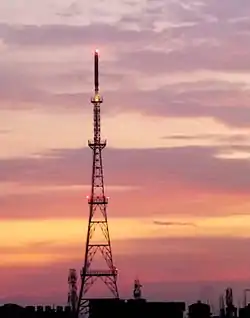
(97, 212)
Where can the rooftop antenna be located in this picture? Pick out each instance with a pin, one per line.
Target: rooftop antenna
(137, 289)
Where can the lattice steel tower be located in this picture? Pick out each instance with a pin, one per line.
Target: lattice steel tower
(97, 212)
(72, 294)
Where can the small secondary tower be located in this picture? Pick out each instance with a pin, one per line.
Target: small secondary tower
(72, 294)
(97, 212)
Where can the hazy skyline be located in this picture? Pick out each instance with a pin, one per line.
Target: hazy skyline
(175, 79)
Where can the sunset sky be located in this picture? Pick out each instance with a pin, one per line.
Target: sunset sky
(175, 77)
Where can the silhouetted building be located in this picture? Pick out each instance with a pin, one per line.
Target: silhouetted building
(199, 310)
(135, 308)
(231, 312)
(244, 312)
(15, 311)
(110, 308)
(99, 308)
(11, 311)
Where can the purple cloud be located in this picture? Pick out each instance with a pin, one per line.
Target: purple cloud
(230, 140)
(223, 101)
(145, 166)
(174, 223)
(63, 35)
(216, 40)
(154, 171)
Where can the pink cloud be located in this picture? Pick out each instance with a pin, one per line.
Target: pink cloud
(142, 167)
